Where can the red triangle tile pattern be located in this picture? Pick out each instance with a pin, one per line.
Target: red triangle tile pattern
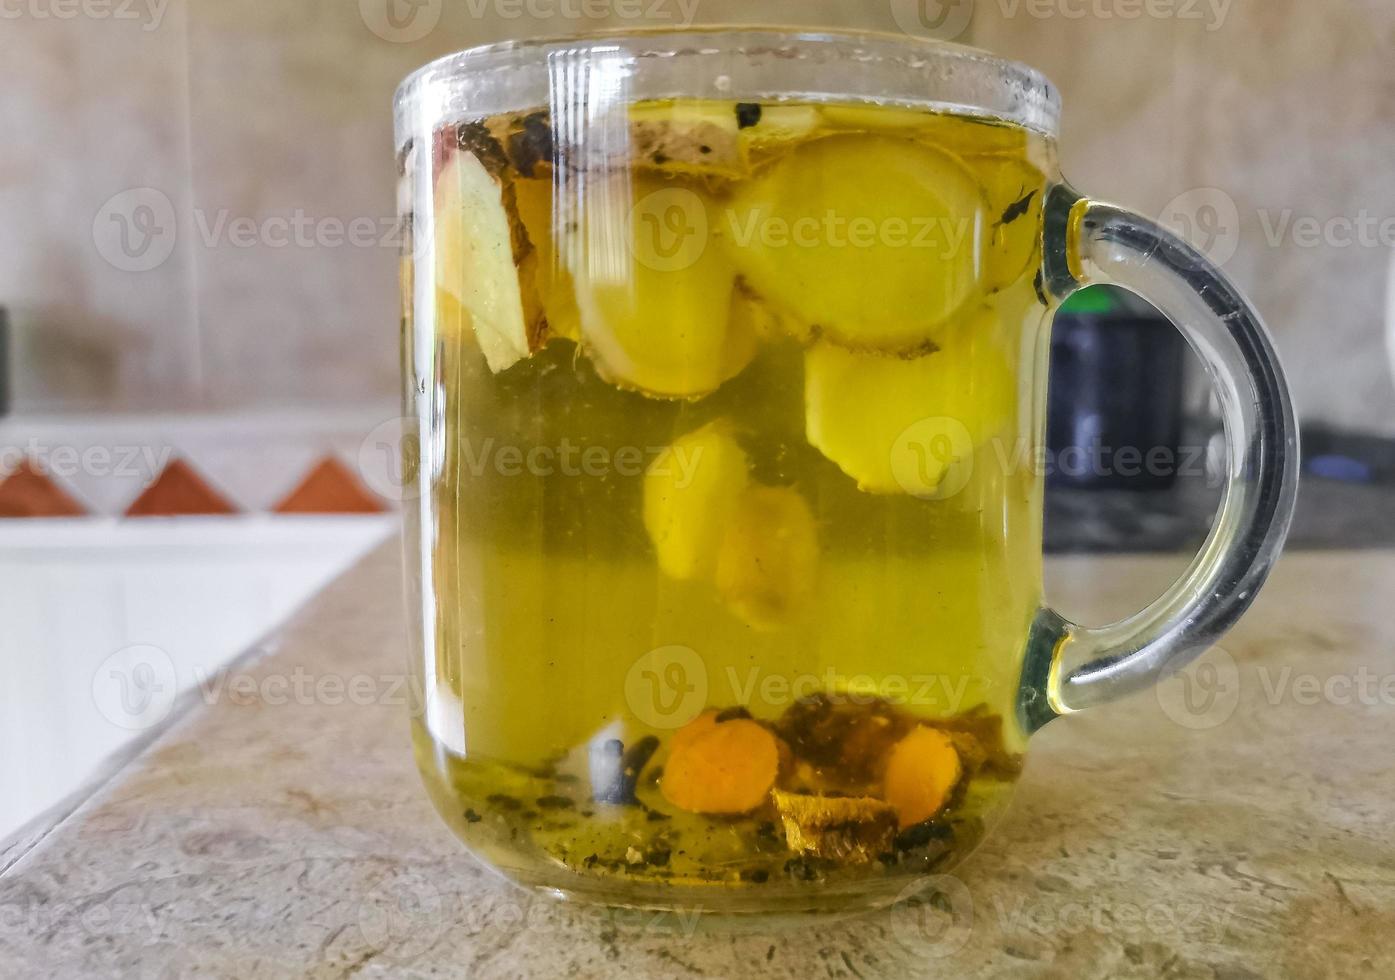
(329, 488)
(29, 493)
(179, 490)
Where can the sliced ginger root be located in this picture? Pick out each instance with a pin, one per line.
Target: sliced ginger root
(874, 239)
(691, 490)
(720, 767)
(556, 292)
(768, 559)
(921, 772)
(909, 425)
(655, 307)
(1015, 192)
(852, 829)
(482, 255)
(715, 139)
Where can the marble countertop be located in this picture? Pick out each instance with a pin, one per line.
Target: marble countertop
(1227, 837)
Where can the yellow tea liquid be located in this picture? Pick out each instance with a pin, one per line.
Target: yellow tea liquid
(728, 540)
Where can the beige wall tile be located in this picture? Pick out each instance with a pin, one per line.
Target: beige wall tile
(244, 111)
(1288, 109)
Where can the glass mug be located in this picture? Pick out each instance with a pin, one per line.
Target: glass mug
(726, 351)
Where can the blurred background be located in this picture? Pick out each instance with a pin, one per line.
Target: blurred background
(198, 351)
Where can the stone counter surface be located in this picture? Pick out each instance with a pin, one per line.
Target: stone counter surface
(1235, 829)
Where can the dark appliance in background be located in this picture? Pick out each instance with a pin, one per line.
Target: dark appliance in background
(1114, 418)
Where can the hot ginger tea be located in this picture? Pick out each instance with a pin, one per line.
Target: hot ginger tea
(728, 545)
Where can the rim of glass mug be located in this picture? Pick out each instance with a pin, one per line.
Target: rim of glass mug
(741, 63)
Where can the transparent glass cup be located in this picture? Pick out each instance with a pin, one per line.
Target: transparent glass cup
(726, 357)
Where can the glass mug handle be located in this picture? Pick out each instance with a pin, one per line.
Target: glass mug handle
(1069, 667)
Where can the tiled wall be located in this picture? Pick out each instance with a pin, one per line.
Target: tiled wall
(1283, 109)
(240, 111)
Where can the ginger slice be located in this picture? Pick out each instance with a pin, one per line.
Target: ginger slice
(728, 767)
(692, 138)
(851, 829)
(480, 256)
(909, 425)
(921, 772)
(1015, 191)
(654, 290)
(715, 139)
(555, 291)
(691, 490)
(961, 135)
(768, 559)
(875, 239)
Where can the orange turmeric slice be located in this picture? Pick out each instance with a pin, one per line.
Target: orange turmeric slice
(700, 725)
(921, 771)
(726, 767)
